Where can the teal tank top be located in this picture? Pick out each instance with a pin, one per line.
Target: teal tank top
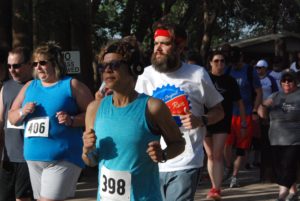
(63, 142)
(122, 140)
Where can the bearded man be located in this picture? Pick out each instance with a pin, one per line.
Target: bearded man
(186, 89)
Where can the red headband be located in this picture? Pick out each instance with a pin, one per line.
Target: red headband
(162, 32)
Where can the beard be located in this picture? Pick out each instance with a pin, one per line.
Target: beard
(166, 63)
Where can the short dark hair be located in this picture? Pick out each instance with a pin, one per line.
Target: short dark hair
(25, 52)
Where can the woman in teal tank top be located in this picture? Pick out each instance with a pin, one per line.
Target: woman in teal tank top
(52, 106)
(123, 131)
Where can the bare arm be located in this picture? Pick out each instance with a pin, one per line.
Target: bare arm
(89, 137)
(263, 108)
(258, 98)
(83, 97)
(1, 124)
(161, 118)
(16, 113)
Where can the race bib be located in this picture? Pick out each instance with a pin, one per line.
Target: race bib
(37, 127)
(114, 185)
(9, 125)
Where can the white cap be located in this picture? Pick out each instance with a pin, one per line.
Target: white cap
(262, 63)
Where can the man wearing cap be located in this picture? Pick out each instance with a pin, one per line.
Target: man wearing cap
(268, 83)
(186, 89)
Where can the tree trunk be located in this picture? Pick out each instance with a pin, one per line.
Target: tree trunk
(81, 39)
(127, 18)
(22, 23)
(5, 23)
(209, 18)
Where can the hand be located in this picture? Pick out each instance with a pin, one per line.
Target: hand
(64, 118)
(190, 121)
(154, 151)
(29, 108)
(89, 140)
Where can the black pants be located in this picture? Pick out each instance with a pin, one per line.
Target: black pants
(285, 162)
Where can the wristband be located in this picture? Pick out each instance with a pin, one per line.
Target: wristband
(243, 124)
(164, 156)
(72, 120)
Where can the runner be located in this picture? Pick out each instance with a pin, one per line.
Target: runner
(123, 131)
(52, 106)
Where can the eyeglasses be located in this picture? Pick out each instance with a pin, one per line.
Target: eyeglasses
(288, 80)
(114, 65)
(42, 63)
(219, 61)
(15, 66)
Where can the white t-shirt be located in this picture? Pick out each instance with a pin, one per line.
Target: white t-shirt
(277, 77)
(188, 87)
(293, 67)
(266, 85)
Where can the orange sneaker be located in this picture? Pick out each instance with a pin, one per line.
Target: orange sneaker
(214, 194)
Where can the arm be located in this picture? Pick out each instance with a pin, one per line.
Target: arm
(16, 114)
(1, 124)
(83, 97)
(161, 119)
(89, 137)
(243, 117)
(263, 108)
(214, 114)
(258, 99)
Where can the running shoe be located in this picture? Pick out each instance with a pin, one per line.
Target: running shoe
(292, 197)
(234, 182)
(214, 194)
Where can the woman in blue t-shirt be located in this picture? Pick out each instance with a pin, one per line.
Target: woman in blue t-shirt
(52, 106)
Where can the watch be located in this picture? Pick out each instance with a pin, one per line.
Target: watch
(204, 120)
(164, 156)
(243, 124)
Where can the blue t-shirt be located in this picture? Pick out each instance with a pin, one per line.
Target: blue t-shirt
(246, 90)
(63, 142)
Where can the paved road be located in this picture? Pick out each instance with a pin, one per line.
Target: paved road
(251, 188)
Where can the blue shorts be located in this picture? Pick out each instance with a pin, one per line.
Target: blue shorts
(179, 185)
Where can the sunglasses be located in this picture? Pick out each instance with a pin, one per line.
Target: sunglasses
(114, 65)
(259, 68)
(288, 80)
(42, 63)
(14, 66)
(219, 61)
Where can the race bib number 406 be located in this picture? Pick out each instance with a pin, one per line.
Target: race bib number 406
(37, 127)
(114, 185)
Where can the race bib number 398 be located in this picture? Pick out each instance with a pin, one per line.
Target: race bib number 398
(114, 185)
(37, 127)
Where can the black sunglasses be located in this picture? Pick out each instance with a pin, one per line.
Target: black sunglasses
(259, 68)
(42, 63)
(114, 65)
(219, 60)
(284, 80)
(15, 66)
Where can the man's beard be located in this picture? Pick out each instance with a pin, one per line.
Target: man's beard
(167, 63)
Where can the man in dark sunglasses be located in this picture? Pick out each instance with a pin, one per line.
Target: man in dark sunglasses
(14, 174)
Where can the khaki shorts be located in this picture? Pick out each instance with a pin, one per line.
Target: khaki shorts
(53, 180)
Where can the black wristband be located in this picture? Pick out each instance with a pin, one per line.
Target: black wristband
(164, 156)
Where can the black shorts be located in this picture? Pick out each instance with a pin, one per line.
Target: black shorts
(222, 126)
(14, 181)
